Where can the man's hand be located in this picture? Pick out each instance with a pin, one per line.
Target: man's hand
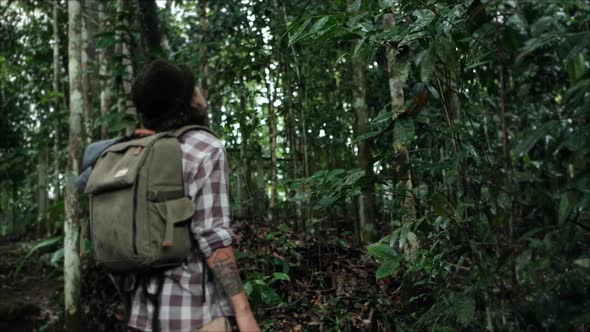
(247, 322)
(224, 267)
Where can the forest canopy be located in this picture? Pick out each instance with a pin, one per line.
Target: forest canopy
(396, 165)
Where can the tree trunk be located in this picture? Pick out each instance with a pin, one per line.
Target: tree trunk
(106, 80)
(42, 197)
(86, 51)
(88, 54)
(56, 105)
(272, 128)
(124, 103)
(13, 229)
(290, 125)
(261, 185)
(148, 10)
(364, 160)
(244, 160)
(72, 203)
(203, 59)
(396, 88)
(302, 91)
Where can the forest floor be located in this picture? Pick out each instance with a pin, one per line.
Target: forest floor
(30, 298)
(331, 285)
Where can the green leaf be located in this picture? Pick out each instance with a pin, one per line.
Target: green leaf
(403, 130)
(387, 268)
(356, 6)
(464, 309)
(385, 117)
(523, 262)
(258, 282)
(57, 257)
(325, 202)
(280, 276)
(294, 37)
(384, 4)
(381, 251)
(116, 121)
(319, 25)
(423, 18)
(578, 139)
(354, 22)
(353, 177)
(543, 24)
(367, 136)
(533, 136)
(357, 47)
(533, 44)
(35, 248)
(105, 39)
(448, 53)
(336, 172)
(427, 66)
(583, 262)
(442, 206)
(248, 287)
(576, 67)
(565, 208)
(269, 296)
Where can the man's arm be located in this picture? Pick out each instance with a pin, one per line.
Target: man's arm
(223, 264)
(211, 222)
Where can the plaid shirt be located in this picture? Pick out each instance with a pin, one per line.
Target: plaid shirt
(182, 309)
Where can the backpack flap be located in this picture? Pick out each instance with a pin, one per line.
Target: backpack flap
(117, 166)
(174, 212)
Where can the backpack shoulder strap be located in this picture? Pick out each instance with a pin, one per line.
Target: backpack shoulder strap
(179, 132)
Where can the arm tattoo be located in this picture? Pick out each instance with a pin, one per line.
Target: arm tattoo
(226, 272)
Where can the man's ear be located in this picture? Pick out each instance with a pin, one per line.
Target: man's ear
(199, 100)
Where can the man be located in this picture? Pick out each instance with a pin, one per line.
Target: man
(166, 99)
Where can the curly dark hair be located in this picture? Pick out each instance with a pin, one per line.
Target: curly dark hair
(162, 93)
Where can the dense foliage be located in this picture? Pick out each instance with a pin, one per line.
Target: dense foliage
(473, 154)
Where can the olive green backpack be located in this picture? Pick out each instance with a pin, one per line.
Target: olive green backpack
(139, 212)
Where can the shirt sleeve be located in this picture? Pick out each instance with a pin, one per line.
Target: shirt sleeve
(211, 221)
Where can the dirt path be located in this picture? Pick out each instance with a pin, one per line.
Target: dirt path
(28, 299)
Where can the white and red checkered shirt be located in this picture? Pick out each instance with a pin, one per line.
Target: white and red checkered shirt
(182, 305)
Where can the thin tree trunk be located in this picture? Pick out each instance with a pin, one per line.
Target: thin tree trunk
(42, 197)
(85, 68)
(106, 81)
(148, 10)
(14, 205)
(244, 160)
(124, 103)
(502, 70)
(72, 203)
(261, 185)
(306, 208)
(203, 56)
(396, 89)
(129, 108)
(303, 93)
(56, 105)
(272, 124)
(365, 201)
(88, 30)
(291, 125)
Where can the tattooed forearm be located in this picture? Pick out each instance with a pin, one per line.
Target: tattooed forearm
(223, 264)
